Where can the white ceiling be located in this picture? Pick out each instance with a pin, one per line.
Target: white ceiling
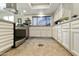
(37, 8)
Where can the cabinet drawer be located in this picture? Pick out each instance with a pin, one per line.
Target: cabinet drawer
(75, 24)
(6, 30)
(59, 26)
(5, 23)
(6, 36)
(66, 25)
(6, 33)
(65, 29)
(6, 27)
(35, 33)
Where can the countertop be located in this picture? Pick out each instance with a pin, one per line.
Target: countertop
(6, 21)
(74, 19)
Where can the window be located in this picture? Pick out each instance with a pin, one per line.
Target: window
(41, 20)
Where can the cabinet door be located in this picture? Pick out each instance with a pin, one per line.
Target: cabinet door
(45, 32)
(6, 36)
(66, 38)
(66, 26)
(34, 32)
(75, 40)
(75, 24)
(55, 32)
(60, 35)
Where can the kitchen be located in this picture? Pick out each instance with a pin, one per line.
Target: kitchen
(50, 28)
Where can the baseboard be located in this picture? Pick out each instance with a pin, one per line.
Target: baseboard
(72, 53)
(18, 43)
(41, 37)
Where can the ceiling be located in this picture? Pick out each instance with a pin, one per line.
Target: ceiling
(36, 8)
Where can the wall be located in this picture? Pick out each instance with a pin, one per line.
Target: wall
(24, 17)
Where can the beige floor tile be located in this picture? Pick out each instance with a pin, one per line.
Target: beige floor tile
(30, 48)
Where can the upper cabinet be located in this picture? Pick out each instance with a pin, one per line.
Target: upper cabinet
(67, 8)
(75, 36)
(58, 13)
(75, 10)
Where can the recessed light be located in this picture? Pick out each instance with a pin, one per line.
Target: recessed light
(24, 10)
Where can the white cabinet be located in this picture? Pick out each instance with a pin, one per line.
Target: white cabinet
(6, 35)
(66, 38)
(40, 32)
(65, 26)
(66, 35)
(67, 8)
(34, 31)
(55, 32)
(75, 9)
(45, 32)
(59, 29)
(75, 41)
(75, 36)
(62, 34)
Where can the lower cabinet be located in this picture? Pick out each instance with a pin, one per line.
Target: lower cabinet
(45, 33)
(6, 36)
(68, 35)
(66, 38)
(75, 37)
(75, 41)
(60, 35)
(55, 32)
(40, 32)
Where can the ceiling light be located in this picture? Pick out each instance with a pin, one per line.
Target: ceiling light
(41, 14)
(24, 11)
(40, 5)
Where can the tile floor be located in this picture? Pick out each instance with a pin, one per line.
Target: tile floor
(38, 47)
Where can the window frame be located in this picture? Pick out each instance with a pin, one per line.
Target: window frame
(37, 20)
